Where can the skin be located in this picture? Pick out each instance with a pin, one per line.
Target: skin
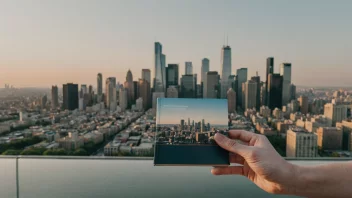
(257, 160)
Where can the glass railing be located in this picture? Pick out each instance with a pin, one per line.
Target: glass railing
(56, 177)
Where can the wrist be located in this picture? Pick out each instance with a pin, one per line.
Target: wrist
(292, 182)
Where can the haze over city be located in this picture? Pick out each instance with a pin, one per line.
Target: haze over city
(55, 42)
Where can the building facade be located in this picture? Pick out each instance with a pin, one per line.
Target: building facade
(70, 96)
(226, 69)
(300, 143)
(211, 85)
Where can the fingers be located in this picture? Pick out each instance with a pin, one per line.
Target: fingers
(230, 170)
(232, 145)
(234, 158)
(242, 135)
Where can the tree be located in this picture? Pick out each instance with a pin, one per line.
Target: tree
(80, 152)
(33, 151)
(11, 152)
(55, 152)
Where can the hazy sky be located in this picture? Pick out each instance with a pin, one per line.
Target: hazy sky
(47, 42)
(173, 110)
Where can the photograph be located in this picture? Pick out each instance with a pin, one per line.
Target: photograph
(185, 130)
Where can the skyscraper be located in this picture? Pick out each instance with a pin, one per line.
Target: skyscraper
(188, 68)
(250, 94)
(130, 89)
(135, 90)
(43, 101)
(90, 89)
(256, 79)
(172, 75)
(285, 72)
(70, 96)
(84, 88)
(204, 70)
(110, 93)
(123, 97)
(146, 75)
(274, 91)
(293, 92)
(303, 104)
(54, 97)
(269, 70)
(144, 92)
(99, 87)
(225, 69)
(242, 74)
(188, 86)
(211, 85)
(231, 100)
(159, 70)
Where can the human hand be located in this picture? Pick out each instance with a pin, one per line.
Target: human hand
(258, 160)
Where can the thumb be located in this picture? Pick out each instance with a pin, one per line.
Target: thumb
(231, 145)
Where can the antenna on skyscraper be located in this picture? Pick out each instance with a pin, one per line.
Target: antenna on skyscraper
(227, 40)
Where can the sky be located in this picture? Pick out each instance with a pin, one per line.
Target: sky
(173, 110)
(51, 42)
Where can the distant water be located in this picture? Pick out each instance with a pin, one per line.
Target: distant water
(52, 178)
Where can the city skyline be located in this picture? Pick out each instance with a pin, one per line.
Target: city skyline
(213, 111)
(55, 51)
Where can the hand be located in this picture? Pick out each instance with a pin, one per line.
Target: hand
(258, 160)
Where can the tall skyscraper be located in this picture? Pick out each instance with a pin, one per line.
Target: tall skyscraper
(211, 85)
(242, 74)
(226, 69)
(43, 101)
(130, 89)
(110, 93)
(70, 96)
(293, 92)
(256, 79)
(99, 87)
(269, 70)
(172, 75)
(90, 89)
(123, 98)
(156, 95)
(159, 70)
(54, 97)
(274, 91)
(303, 104)
(204, 70)
(146, 75)
(188, 68)
(300, 143)
(84, 88)
(250, 94)
(285, 72)
(188, 86)
(144, 92)
(135, 90)
(231, 100)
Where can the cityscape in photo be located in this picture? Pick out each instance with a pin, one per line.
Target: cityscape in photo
(190, 121)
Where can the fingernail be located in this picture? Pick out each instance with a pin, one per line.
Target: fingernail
(218, 136)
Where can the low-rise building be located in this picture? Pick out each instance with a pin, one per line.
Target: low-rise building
(300, 143)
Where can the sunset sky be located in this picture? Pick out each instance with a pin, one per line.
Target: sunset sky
(43, 43)
(173, 110)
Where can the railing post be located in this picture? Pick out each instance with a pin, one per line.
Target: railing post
(17, 180)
